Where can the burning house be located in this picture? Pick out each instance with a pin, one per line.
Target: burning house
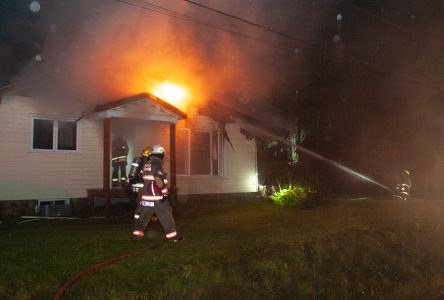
(105, 72)
(49, 157)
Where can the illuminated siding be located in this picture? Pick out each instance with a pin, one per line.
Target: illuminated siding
(240, 164)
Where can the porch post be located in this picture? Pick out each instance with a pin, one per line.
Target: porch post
(106, 153)
(173, 186)
(106, 161)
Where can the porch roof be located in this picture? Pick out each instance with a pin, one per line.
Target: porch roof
(143, 106)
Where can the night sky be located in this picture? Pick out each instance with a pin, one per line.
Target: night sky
(365, 78)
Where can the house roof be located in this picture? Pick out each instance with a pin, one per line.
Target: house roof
(5, 90)
(254, 126)
(143, 106)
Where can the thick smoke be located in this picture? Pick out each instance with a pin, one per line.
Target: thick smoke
(97, 50)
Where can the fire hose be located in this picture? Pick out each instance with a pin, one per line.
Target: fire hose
(86, 271)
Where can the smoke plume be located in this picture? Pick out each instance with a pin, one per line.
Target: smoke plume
(97, 50)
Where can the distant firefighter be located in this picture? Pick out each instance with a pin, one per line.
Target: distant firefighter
(404, 186)
(119, 160)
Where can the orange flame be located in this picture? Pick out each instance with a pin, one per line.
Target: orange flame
(176, 95)
(166, 75)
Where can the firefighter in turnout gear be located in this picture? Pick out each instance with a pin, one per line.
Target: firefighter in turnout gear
(119, 160)
(153, 198)
(135, 175)
(402, 190)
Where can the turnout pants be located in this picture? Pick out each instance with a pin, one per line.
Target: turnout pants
(144, 212)
(121, 165)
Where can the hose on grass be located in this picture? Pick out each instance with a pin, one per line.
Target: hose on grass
(86, 271)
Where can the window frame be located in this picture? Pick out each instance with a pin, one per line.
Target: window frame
(221, 153)
(55, 130)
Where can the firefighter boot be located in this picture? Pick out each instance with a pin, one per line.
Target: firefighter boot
(176, 239)
(138, 235)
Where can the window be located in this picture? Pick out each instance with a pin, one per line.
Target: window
(182, 152)
(43, 134)
(200, 156)
(198, 152)
(67, 135)
(56, 135)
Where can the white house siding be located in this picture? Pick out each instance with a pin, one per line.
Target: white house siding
(240, 172)
(27, 174)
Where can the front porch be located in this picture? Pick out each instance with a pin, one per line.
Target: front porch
(143, 120)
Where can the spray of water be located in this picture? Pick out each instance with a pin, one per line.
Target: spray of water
(318, 156)
(342, 167)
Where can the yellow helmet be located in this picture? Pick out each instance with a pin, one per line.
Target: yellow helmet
(147, 151)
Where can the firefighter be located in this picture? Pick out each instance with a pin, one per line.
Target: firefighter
(119, 160)
(402, 190)
(153, 198)
(135, 175)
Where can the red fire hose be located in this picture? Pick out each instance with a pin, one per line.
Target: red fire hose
(79, 275)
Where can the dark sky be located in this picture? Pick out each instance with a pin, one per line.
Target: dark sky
(20, 37)
(366, 78)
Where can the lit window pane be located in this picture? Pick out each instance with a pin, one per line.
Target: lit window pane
(43, 134)
(67, 135)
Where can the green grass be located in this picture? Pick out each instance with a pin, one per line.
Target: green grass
(373, 249)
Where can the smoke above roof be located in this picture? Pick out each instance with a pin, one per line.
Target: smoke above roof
(96, 50)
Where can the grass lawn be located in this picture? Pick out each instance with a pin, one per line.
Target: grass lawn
(251, 250)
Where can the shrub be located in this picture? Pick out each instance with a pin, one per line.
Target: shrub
(295, 195)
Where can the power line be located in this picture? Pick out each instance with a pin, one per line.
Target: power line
(283, 34)
(351, 56)
(171, 13)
